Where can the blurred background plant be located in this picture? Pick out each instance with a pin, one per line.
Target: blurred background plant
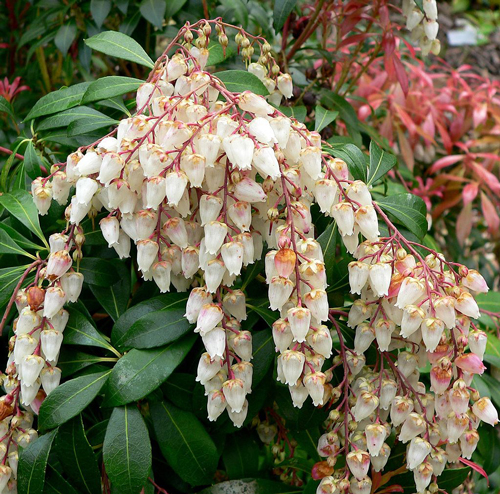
(357, 77)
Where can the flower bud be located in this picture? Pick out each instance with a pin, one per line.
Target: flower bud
(485, 411)
(293, 364)
(358, 463)
(59, 262)
(54, 301)
(147, 250)
(50, 378)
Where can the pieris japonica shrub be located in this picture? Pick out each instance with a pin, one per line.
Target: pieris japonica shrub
(242, 274)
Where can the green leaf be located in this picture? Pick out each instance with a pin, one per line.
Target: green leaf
(79, 331)
(71, 361)
(9, 278)
(77, 457)
(153, 11)
(114, 298)
(100, 10)
(491, 302)
(170, 300)
(8, 246)
(173, 6)
(304, 418)
(127, 450)
(115, 103)
(157, 329)
(140, 372)
(328, 242)
(64, 118)
(216, 54)
(109, 87)
(347, 114)
(119, 45)
(298, 112)
(408, 210)
(130, 23)
(282, 9)
(185, 444)
(33, 463)
(356, 160)
(70, 398)
(5, 106)
(238, 81)
(65, 36)
(20, 240)
(263, 346)
(492, 353)
(380, 163)
(56, 484)
(87, 125)
(323, 118)
(62, 99)
(32, 161)
(100, 272)
(241, 456)
(20, 204)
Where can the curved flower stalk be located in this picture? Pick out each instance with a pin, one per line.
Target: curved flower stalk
(32, 371)
(200, 179)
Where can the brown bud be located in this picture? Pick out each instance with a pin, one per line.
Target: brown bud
(6, 409)
(36, 296)
(321, 469)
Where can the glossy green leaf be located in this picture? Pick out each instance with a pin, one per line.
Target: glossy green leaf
(328, 242)
(87, 125)
(323, 118)
(80, 331)
(77, 457)
(114, 298)
(70, 361)
(127, 450)
(64, 118)
(380, 163)
(264, 353)
(139, 372)
(8, 246)
(119, 45)
(33, 463)
(216, 54)
(282, 9)
(109, 87)
(408, 210)
(238, 81)
(157, 329)
(185, 444)
(241, 456)
(20, 204)
(65, 36)
(6, 107)
(100, 10)
(153, 11)
(70, 398)
(173, 6)
(356, 160)
(347, 113)
(9, 277)
(132, 315)
(62, 99)
(100, 272)
(20, 240)
(298, 112)
(32, 161)
(56, 484)
(492, 353)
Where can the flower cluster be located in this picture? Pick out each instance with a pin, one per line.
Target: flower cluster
(201, 179)
(32, 371)
(423, 25)
(421, 308)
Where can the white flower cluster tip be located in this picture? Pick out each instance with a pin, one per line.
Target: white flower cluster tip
(423, 25)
